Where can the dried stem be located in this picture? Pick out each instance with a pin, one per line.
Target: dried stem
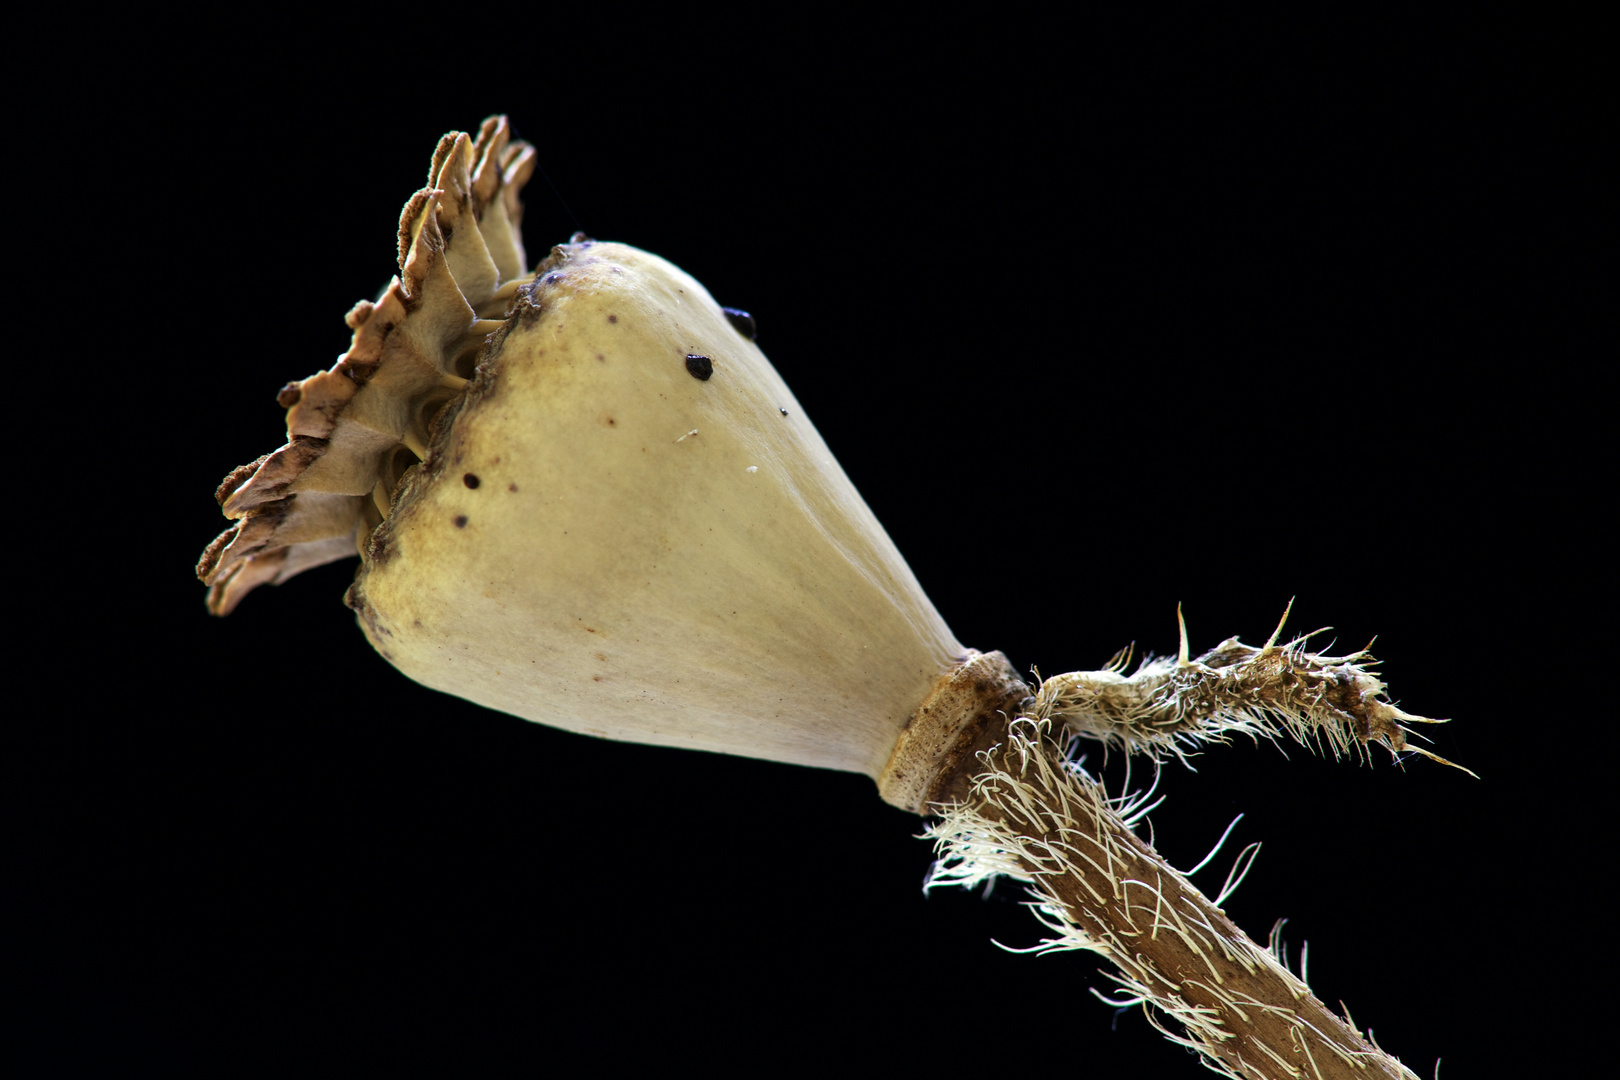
(1036, 817)
(1021, 807)
(1168, 707)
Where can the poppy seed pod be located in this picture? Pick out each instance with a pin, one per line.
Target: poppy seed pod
(602, 510)
(582, 495)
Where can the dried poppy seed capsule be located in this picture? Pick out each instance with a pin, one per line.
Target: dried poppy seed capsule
(611, 527)
(580, 496)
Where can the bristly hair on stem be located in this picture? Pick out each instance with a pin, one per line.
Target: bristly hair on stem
(1173, 707)
(1036, 816)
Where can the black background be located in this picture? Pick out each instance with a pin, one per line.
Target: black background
(1094, 333)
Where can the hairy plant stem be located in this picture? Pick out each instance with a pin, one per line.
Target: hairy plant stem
(1012, 802)
(1035, 817)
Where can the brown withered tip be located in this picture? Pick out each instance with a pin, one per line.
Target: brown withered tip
(236, 478)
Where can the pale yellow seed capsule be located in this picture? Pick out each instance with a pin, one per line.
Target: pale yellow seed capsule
(583, 496)
(622, 532)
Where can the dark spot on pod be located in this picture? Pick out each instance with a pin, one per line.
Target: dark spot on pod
(613, 318)
(783, 411)
(701, 367)
(511, 487)
(740, 321)
(552, 279)
(461, 521)
(470, 480)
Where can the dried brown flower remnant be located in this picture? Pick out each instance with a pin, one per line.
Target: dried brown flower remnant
(353, 431)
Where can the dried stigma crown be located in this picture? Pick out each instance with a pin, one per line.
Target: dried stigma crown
(355, 431)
